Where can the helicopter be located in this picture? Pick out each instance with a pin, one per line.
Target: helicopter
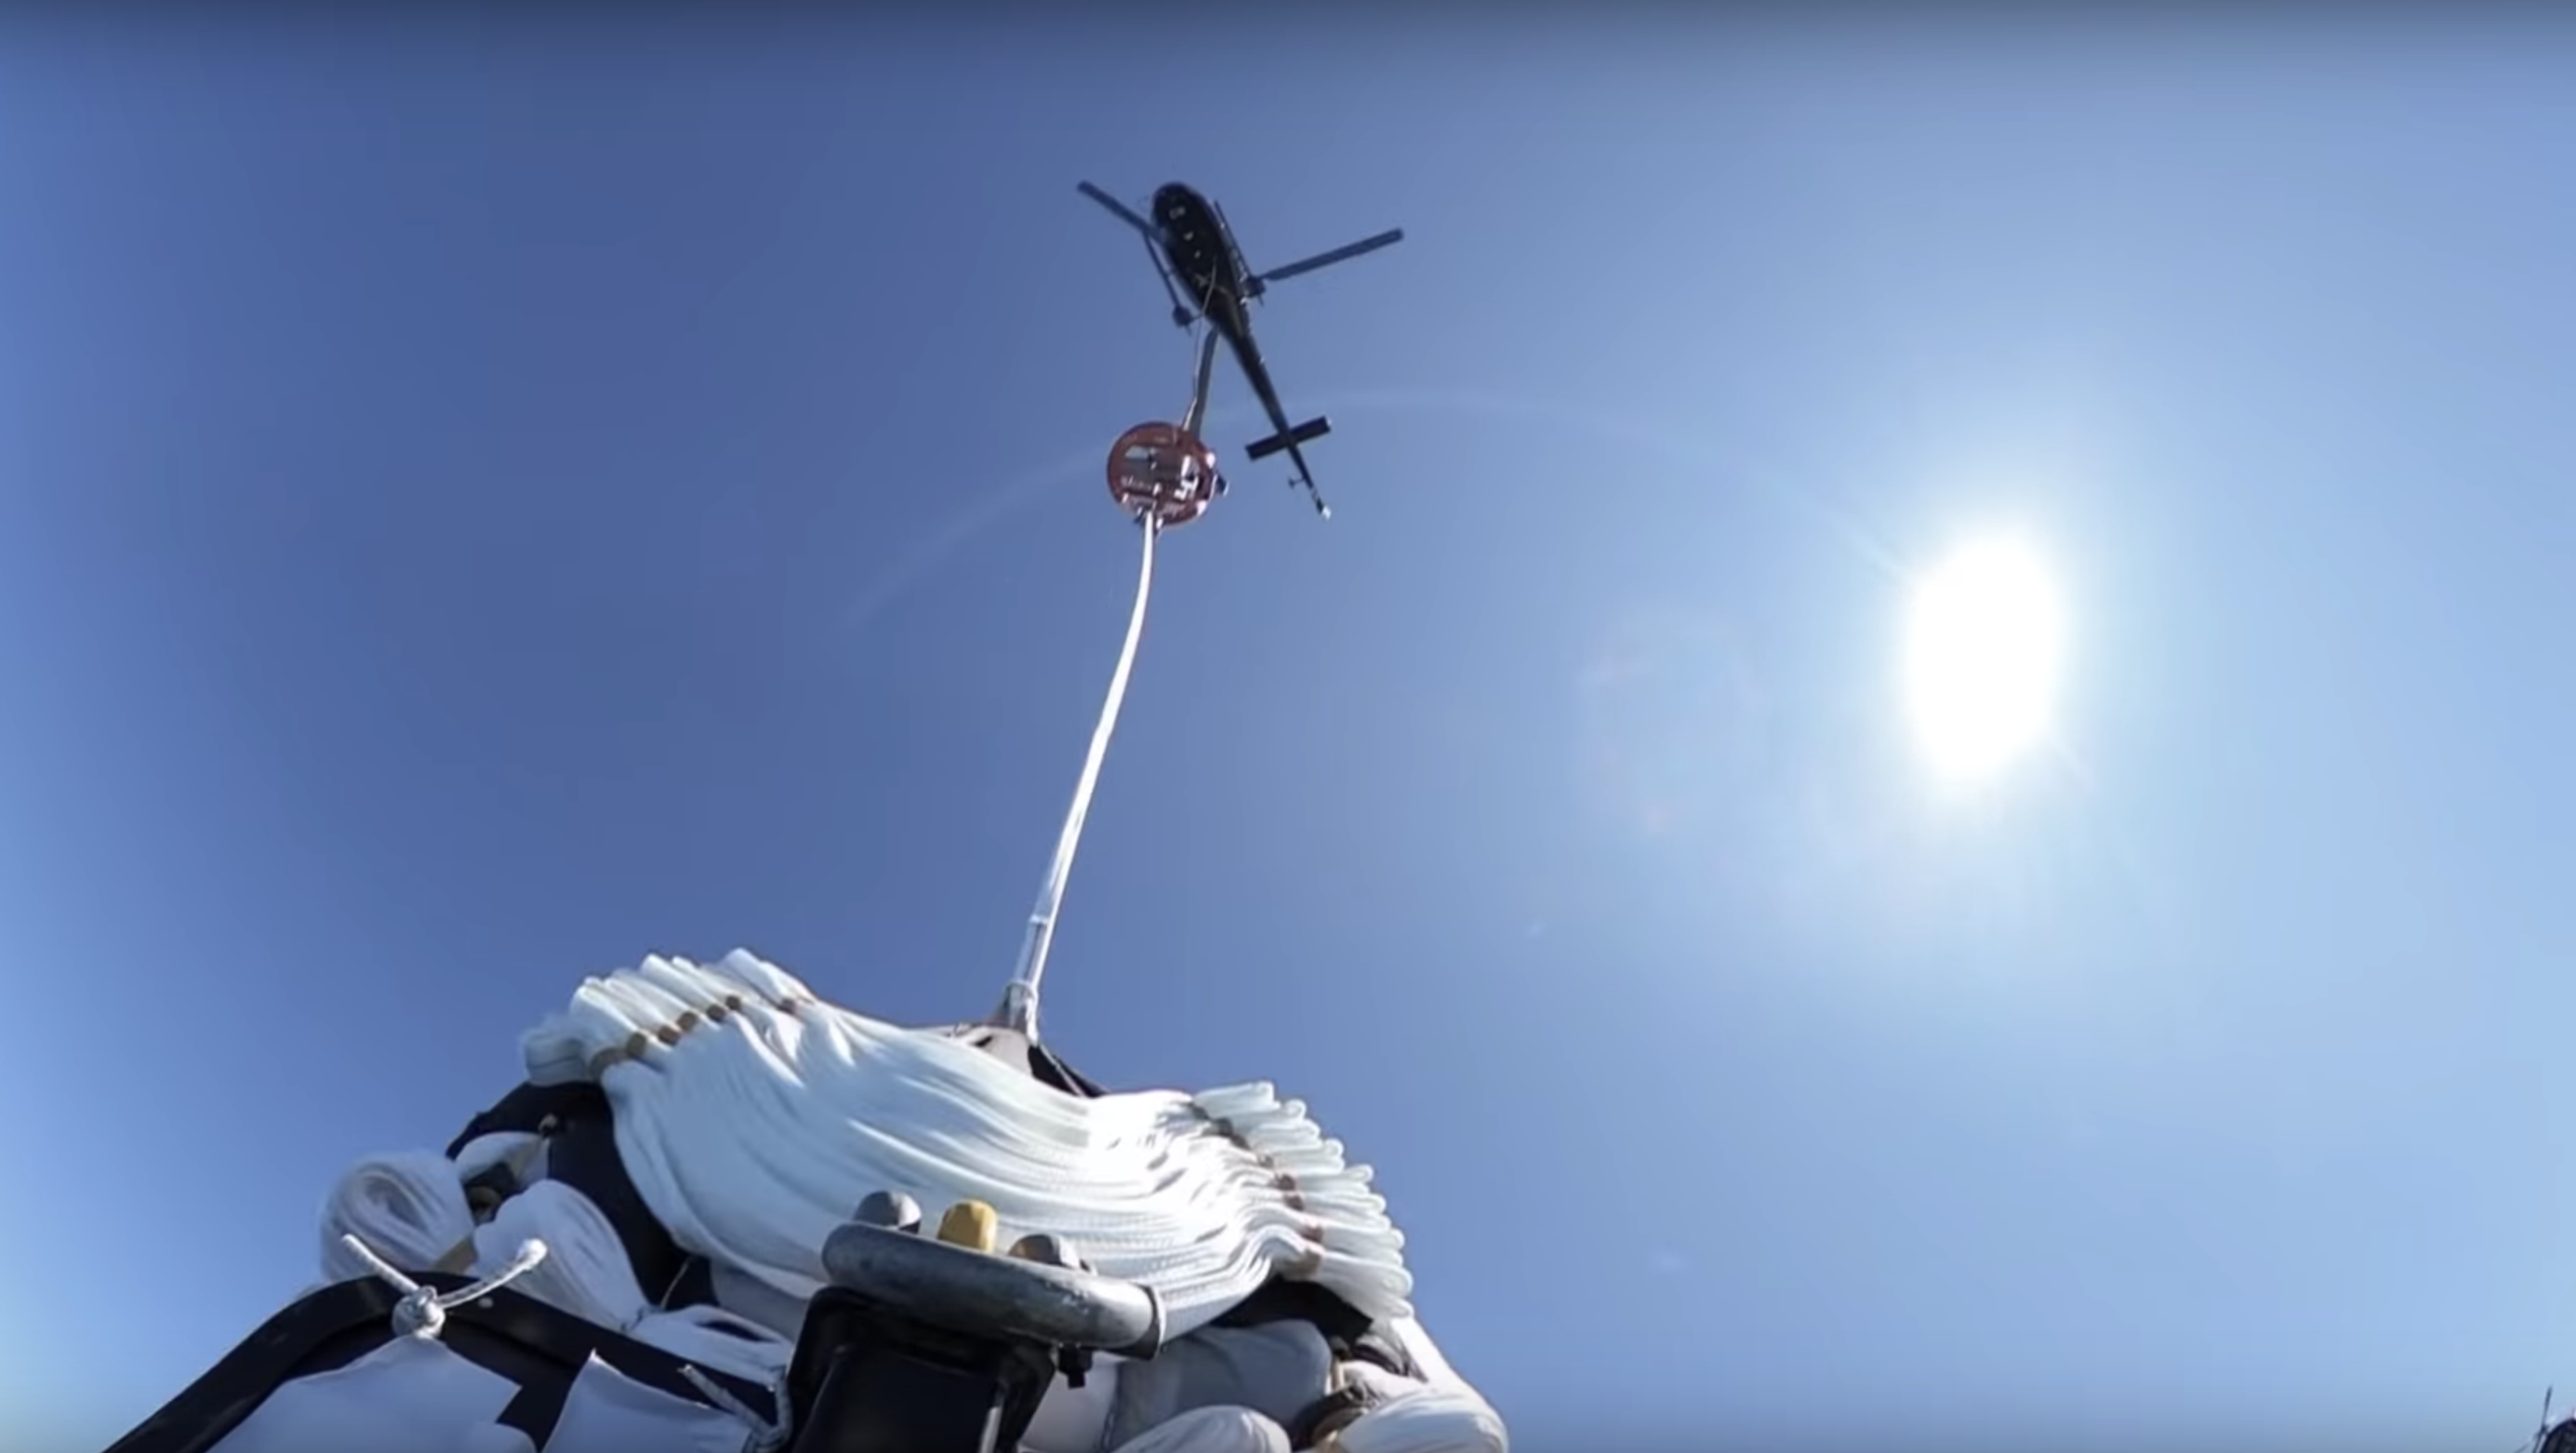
(1205, 276)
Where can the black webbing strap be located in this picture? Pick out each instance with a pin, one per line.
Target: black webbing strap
(1347, 1331)
(1330, 1414)
(580, 1128)
(539, 1347)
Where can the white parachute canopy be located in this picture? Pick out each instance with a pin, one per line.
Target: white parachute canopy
(753, 1117)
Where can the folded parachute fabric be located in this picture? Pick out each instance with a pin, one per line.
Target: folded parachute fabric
(752, 1117)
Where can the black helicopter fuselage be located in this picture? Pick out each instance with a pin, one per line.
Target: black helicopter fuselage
(1209, 270)
(1205, 277)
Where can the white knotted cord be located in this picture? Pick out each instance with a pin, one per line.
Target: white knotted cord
(1020, 998)
(409, 1209)
(422, 1312)
(568, 1256)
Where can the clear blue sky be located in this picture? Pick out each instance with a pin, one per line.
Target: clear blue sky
(477, 509)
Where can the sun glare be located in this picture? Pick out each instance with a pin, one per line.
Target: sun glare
(1982, 638)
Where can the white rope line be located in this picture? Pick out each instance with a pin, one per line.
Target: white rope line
(1020, 999)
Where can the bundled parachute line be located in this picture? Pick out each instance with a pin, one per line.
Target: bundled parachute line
(1019, 1009)
(1163, 477)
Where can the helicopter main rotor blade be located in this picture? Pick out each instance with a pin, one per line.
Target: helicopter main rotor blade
(1121, 211)
(1338, 254)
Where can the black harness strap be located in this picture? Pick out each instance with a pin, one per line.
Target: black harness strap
(581, 1151)
(541, 1348)
(1282, 1300)
(1020, 1052)
(1330, 1414)
(1347, 1331)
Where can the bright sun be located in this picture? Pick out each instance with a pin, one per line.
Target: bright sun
(1982, 638)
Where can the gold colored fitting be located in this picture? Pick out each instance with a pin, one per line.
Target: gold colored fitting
(971, 1224)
